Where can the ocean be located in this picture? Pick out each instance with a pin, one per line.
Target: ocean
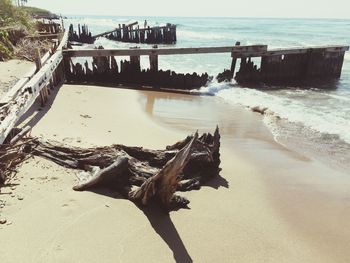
(313, 121)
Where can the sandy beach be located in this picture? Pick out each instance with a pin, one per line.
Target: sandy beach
(11, 71)
(268, 205)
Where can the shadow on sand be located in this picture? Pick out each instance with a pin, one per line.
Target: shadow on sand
(161, 223)
(36, 112)
(161, 220)
(165, 228)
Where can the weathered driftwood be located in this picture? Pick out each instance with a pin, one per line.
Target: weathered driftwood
(10, 157)
(156, 174)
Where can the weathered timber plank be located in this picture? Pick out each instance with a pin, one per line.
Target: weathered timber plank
(20, 83)
(161, 51)
(280, 52)
(27, 95)
(64, 41)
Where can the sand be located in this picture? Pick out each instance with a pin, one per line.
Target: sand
(268, 205)
(10, 72)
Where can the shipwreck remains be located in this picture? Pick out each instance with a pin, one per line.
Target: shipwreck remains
(149, 35)
(104, 68)
(36, 84)
(49, 27)
(139, 174)
(281, 66)
(82, 36)
(130, 33)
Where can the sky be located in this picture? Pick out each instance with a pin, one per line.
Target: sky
(194, 8)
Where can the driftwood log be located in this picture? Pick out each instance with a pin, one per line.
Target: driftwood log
(139, 174)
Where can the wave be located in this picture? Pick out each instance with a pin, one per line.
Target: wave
(347, 56)
(185, 34)
(339, 97)
(319, 119)
(105, 22)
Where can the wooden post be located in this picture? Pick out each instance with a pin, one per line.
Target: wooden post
(135, 63)
(37, 60)
(153, 59)
(62, 24)
(234, 60)
(38, 67)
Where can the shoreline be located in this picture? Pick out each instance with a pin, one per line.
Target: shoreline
(268, 203)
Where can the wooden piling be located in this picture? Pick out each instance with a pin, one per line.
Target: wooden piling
(43, 92)
(234, 60)
(153, 60)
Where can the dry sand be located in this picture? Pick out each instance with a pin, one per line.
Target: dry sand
(10, 72)
(268, 205)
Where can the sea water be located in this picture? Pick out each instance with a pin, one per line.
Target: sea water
(313, 120)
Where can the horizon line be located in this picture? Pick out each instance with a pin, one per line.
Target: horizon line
(200, 16)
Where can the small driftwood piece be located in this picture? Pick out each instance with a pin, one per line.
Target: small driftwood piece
(10, 157)
(139, 174)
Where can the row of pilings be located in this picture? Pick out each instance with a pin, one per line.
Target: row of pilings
(82, 36)
(105, 70)
(124, 33)
(149, 35)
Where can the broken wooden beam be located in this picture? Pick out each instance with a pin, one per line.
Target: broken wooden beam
(161, 51)
(289, 51)
(26, 95)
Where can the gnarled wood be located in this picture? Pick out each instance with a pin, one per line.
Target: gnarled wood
(157, 174)
(164, 183)
(87, 180)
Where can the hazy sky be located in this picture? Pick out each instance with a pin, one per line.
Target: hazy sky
(228, 8)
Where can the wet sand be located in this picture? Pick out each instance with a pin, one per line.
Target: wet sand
(268, 205)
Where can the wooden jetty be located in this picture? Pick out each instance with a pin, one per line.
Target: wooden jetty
(131, 33)
(104, 66)
(277, 65)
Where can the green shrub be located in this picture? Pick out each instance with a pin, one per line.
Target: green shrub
(12, 19)
(12, 15)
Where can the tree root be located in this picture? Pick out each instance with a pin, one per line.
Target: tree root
(156, 174)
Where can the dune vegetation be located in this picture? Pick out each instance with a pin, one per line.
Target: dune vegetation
(16, 22)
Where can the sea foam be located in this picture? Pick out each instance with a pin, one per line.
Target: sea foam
(318, 118)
